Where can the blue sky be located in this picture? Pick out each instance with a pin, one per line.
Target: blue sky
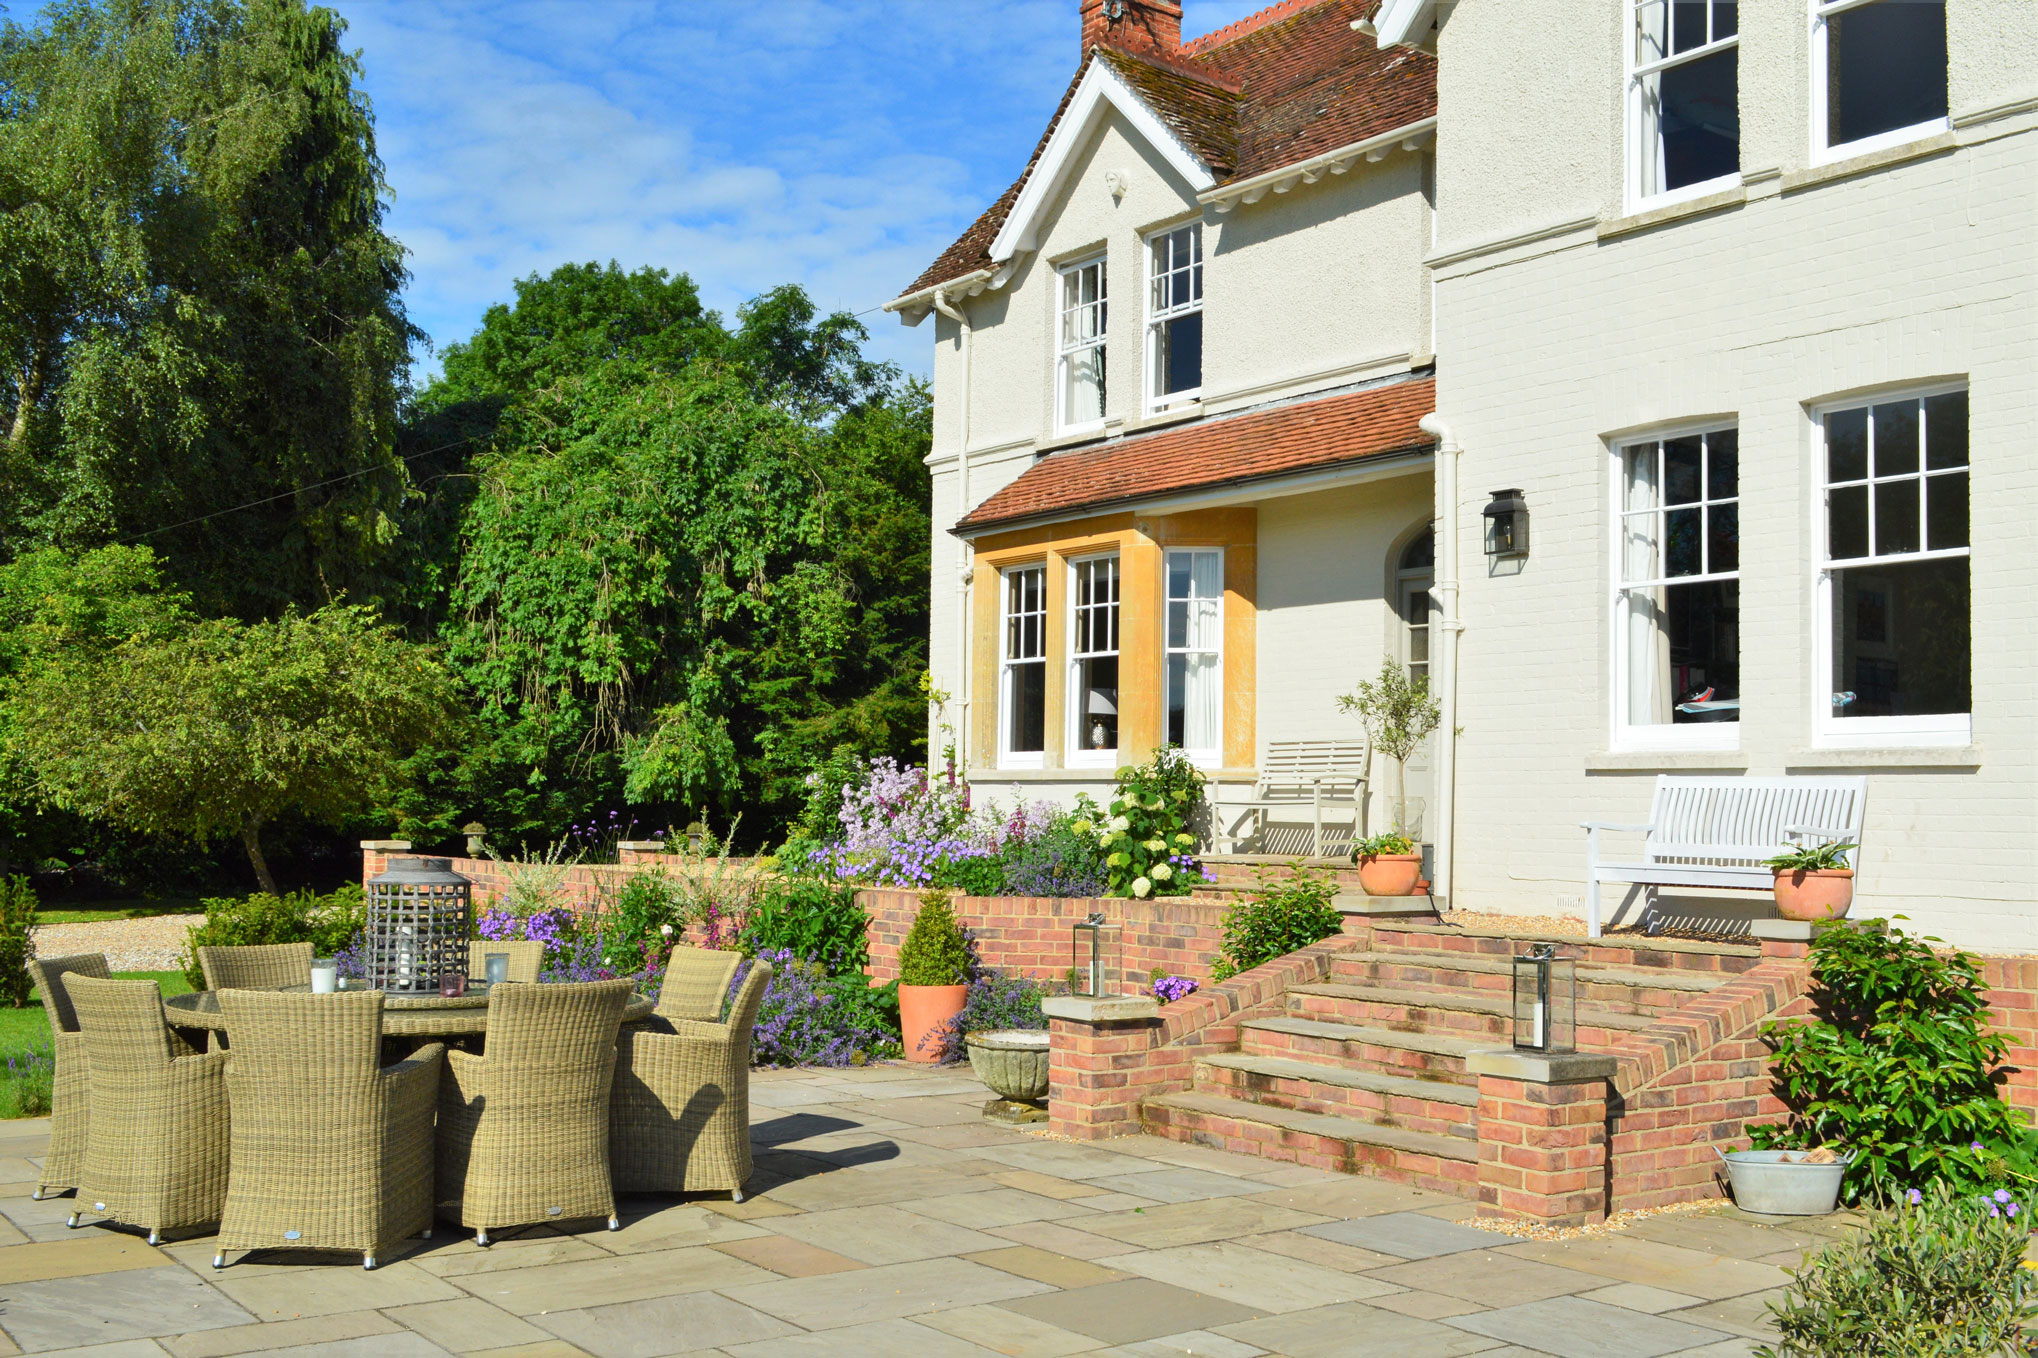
(840, 146)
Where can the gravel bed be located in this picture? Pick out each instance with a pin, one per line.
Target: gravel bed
(153, 944)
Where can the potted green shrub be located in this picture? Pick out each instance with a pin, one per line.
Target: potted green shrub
(1813, 881)
(1389, 865)
(933, 978)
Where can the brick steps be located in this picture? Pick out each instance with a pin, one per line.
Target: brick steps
(1496, 940)
(1321, 1141)
(1467, 1013)
(1662, 988)
(1341, 1091)
(1413, 1055)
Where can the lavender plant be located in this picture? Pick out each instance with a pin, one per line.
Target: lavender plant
(993, 1003)
(807, 1019)
(31, 1076)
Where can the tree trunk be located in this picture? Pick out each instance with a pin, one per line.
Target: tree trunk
(28, 391)
(251, 840)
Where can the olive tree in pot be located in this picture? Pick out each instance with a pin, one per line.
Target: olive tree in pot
(933, 978)
(1398, 713)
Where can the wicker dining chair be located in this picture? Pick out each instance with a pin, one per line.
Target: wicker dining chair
(263, 966)
(71, 1089)
(697, 983)
(526, 957)
(332, 1150)
(679, 1120)
(524, 1128)
(156, 1141)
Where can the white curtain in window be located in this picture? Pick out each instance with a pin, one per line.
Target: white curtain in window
(1201, 638)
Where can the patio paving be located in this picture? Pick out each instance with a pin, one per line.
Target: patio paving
(888, 1219)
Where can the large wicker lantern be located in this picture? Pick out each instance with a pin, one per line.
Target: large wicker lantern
(418, 915)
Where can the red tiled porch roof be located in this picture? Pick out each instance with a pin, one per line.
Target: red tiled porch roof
(1306, 436)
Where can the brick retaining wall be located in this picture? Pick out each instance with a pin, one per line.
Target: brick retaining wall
(1032, 936)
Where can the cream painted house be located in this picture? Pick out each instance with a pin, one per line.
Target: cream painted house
(1741, 302)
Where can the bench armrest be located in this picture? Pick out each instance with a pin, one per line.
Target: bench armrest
(1609, 825)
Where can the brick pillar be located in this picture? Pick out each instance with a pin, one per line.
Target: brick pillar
(631, 852)
(1101, 1055)
(1542, 1135)
(375, 855)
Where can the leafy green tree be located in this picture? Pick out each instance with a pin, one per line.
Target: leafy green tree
(222, 727)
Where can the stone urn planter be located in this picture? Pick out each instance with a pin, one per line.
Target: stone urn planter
(1013, 1063)
(1813, 894)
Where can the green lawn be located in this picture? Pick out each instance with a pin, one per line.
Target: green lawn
(28, 1028)
(99, 912)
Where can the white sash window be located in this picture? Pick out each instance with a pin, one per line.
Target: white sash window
(1195, 652)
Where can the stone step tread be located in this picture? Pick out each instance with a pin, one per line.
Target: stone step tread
(1344, 1077)
(1656, 978)
(1470, 1002)
(1432, 1043)
(1499, 929)
(1464, 1148)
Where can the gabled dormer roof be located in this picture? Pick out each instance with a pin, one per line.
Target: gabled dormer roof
(1279, 97)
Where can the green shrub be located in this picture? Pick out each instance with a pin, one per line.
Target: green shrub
(31, 1079)
(1941, 1277)
(971, 874)
(328, 923)
(17, 919)
(1278, 918)
(645, 918)
(815, 920)
(1897, 1067)
(1146, 834)
(935, 951)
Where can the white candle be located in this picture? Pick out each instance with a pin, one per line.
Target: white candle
(325, 976)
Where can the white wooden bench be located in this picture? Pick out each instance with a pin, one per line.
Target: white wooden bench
(1318, 774)
(1715, 832)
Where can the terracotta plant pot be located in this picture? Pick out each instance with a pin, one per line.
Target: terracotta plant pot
(1389, 874)
(1815, 894)
(922, 1010)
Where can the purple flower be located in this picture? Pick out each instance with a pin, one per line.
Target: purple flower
(1168, 989)
(1914, 1197)
(2002, 1195)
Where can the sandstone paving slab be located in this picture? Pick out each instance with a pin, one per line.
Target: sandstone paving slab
(126, 1348)
(959, 1136)
(1729, 1348)
(1056, 1270)
(1194, 1223)
(42, 1220)
(887, 1293)
(1330, 1254)
(94, 1253)
(752, 1208)
(859, 1150)
(466, 1324)
(1586, 1329)
(770, 1096)
(1006, 1332)
(1490, 1278)
(1352, 1195)
(664, 1325)
(18, 1169)
(1351, 1329)
(376, 1346)
(1045, 1185)
(1129, 1311)
(921, 1112)
(1736, 1235)
(267, 1337)
(662, 1224)
(10, 1234)
(1200, 1343)
(1745, 1316)
(1252, 1278)
(1058, 1239)
(1411, 1235)
(600, 1282)
(1178, 1184)
(882, 1234)
(1188, 1155)
(550, 1348)
(1425, 1305)
(789, 1257)
(875, 1339)
(338, 1287)
(1061, 1159)
(871, 1187)
(469, 1258)
(1290, 1176)
(65, 1313)
(1632, 1259)
(996, 1206)
(1117, 1202)
(1640, 1297)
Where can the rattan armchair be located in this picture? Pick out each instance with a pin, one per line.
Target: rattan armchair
(679, 1120)
(526, 957)
(71, 1089)
(524, 1129)
(697, 983)
(263, 966)
(332, 1150)
(156, 1139)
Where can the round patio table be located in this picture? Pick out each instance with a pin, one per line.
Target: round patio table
(402, 1015)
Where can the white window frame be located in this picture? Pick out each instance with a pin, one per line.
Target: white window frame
(1077, 747)
(1008, 758)
(1822, 153)
(1639, 195)
(1214, 756)
(1627, 735)
(1934, 730)
(1064, 351)
(1156, 316)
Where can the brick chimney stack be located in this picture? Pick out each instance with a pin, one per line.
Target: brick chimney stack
(1142, 26)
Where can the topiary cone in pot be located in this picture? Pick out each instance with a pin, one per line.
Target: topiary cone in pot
(933, 978)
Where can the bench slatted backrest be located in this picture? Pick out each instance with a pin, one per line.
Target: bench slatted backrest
(1296, 764)
(1728, 821)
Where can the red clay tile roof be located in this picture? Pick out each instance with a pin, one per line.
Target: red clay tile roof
(1306, 436)
(1277, 87)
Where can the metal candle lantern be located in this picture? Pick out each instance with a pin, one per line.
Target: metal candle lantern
(1094, 955)
(1545, 1001)
(418, 916)
(1507, 524)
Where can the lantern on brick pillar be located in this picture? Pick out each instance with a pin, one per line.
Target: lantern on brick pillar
(1094, 956)
(1545, 1001)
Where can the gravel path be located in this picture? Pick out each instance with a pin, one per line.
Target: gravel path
(155, 944)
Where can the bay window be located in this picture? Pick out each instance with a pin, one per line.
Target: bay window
(1684, 117)
(1079, 362)
(1022, 683)
(1878, 73)
(1093, 662)
(1174, 324)
(1677, 596)
(1194, 659)
(1893, 591)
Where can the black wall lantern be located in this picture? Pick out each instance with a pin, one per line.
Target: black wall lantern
(1545, 1001)
(1507, 529)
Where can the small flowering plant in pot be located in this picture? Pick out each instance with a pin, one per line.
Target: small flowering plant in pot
(934, 971)
(1389, 865)
(1813, 881)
